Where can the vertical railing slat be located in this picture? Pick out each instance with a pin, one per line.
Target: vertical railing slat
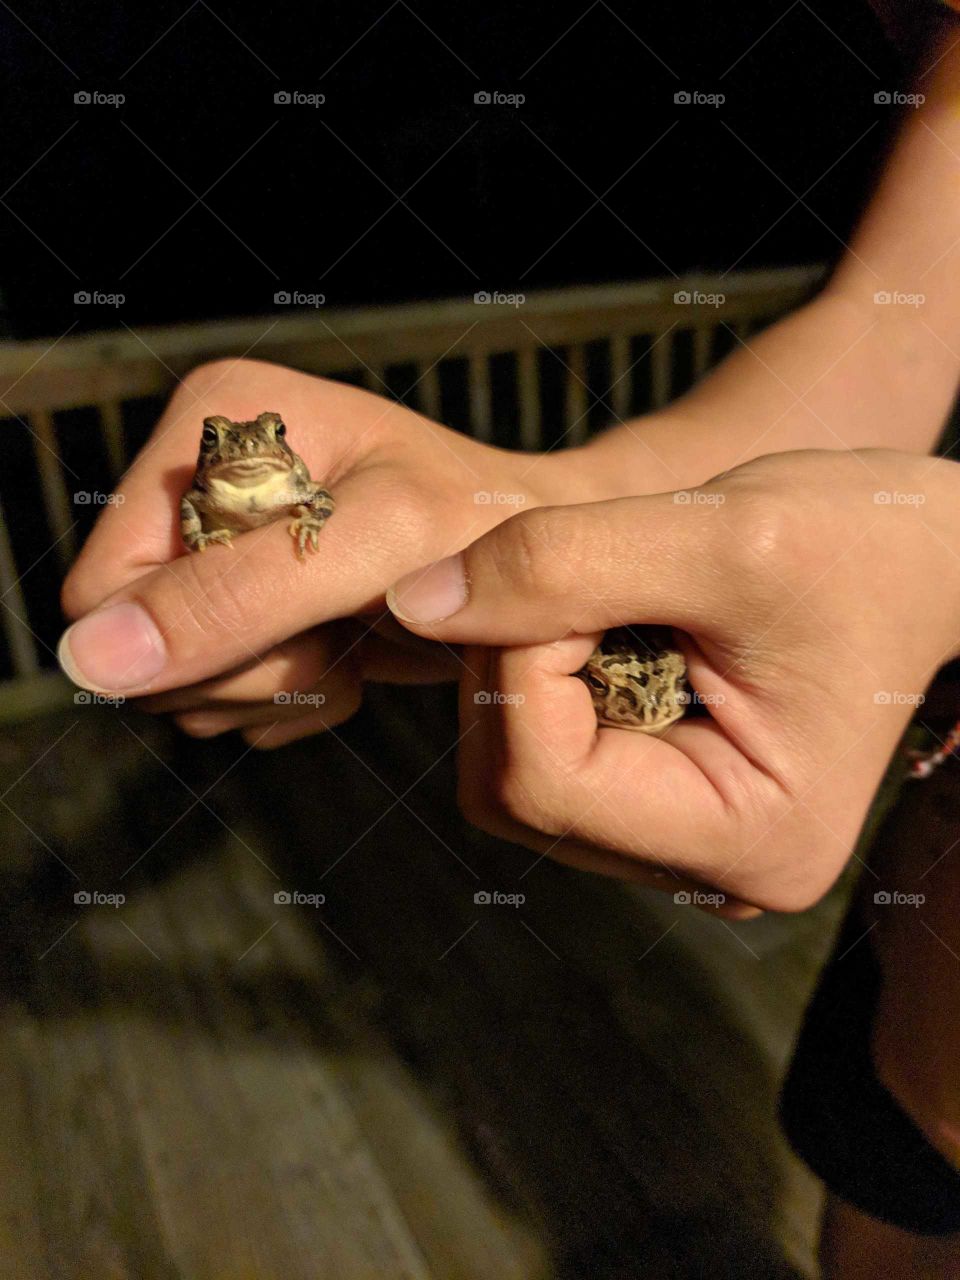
(702, 350)
(528, 394)
(429, 388)
(576, 427)
(481, 406)
(111, 424)
(620, 375)
(55, 494)
(661, 369)
(23, 649)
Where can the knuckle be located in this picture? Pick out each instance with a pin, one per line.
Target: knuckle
(210, 604)
(405, 512)
(409, 511)
(538, 551)
(765, 537)
(759, 521)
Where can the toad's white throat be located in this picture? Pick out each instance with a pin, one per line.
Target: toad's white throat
(268, 487)
(249, 473)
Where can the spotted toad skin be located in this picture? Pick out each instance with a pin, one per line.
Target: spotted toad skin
(248, 476)
(637, 679)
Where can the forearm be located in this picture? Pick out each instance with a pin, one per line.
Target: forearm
(908, 242)
(845, 371)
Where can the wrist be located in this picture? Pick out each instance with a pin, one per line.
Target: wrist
(940, 518)
(583, 473)
(913, 533)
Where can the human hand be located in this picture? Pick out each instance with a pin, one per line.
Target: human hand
(816, 595)
(216, 638)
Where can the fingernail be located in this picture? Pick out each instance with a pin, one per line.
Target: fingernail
(111, 649)
(431, 594)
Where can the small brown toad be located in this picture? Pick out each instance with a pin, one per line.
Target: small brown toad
(247, 476)
(636, 677)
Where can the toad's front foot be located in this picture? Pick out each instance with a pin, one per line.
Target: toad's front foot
(200, 541)
(306, 528)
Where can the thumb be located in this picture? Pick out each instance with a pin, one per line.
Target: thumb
(201, 615)
(551, 571)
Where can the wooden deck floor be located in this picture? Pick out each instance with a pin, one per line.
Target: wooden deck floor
(205, 1082)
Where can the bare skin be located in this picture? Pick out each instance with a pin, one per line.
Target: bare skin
(841, 374)
(808, 692)
(248, 476)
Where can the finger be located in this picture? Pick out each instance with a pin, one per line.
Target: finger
(317, 660)
(205, 614)
(142, 530)
(483, 779)
(318, 721)
(320, 710)
(606, 789)
(478, 748)
(392, 655)
(492, 700)
(551, 571)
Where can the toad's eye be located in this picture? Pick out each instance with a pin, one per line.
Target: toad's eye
(209, 436)
(281, 430)
(596, 683)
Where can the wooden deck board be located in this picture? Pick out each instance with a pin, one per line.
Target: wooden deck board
(400, 1083)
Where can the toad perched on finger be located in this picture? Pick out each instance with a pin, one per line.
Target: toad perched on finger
(247, 475)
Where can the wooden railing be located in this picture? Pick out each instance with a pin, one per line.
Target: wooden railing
(576, 358)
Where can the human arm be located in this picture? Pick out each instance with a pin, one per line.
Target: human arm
(842, 372)
(815, 595)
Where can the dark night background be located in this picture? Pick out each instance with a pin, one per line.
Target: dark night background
(296, 197)
(173, 1099)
